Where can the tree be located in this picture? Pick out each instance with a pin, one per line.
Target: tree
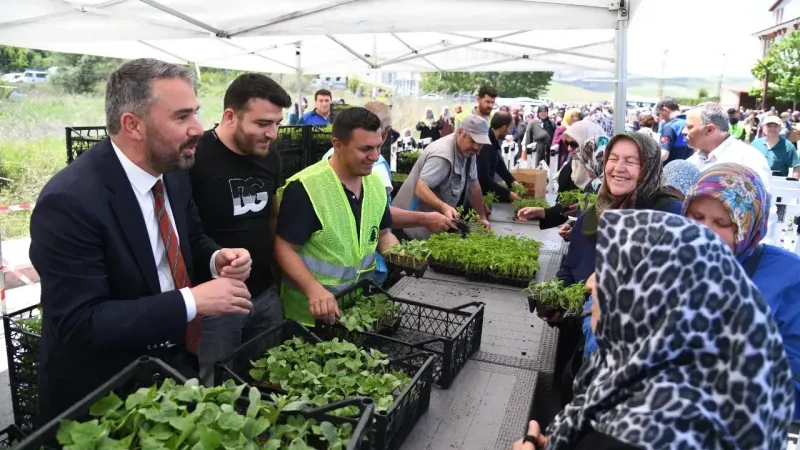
(508, 84)
(83, 73)
(783, 63)
(16, 59)
(702, 93)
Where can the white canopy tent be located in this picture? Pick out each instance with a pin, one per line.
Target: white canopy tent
(338, 36)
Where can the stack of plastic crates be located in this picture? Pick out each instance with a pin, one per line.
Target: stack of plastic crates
(290, 145)
(318, 143)
(80, 139)
(23, 338)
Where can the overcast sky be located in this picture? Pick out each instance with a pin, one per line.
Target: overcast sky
(697, 33)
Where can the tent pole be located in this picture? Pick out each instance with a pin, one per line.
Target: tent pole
(299, 79)
(621, 88)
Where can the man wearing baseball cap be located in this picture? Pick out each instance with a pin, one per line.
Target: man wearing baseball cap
(781, 154)
(446, 175)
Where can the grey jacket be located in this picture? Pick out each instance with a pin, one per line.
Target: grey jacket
(451, 190)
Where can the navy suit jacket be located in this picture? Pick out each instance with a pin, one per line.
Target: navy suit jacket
(102, 304)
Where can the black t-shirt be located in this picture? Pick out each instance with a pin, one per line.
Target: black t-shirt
(297, 220)
(234, 194)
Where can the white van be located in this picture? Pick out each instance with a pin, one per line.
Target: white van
(34, 76)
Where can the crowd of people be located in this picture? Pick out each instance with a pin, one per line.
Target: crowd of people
(177, 242)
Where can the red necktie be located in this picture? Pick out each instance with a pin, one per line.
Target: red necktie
(176, 264)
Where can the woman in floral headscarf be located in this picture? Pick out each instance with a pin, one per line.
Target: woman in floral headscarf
(429, 126)
(732, 201)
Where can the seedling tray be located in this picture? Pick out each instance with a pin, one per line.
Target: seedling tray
(451, 334)
(391, 427)
(22, 350)
(548, 311)
(11, 436)
(446, 268)
(406, 265)
(147, 371)
(487, 277)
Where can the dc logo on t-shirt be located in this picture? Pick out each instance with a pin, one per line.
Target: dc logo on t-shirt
(248, 195)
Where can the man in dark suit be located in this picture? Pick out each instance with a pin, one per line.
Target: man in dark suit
(116, 239)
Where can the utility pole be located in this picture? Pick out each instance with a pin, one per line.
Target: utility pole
(663, 74)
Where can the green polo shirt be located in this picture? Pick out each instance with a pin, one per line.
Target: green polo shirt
(782, 157)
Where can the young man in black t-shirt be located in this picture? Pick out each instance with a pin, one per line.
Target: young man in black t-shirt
(234, 181)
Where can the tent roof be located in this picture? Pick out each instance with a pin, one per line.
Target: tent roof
(335, 36)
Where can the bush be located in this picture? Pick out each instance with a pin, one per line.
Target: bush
(80, 78)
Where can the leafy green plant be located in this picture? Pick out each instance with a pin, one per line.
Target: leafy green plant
(330, 371)
(370, 313)
(506, 256)
(191, 416)
(554, 295)
(409, 156)
(490, 199)
(529, 202)
(399, 177)
(32, 324)
(575, 196)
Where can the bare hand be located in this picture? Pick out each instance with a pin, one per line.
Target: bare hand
(436, 222)
(323, 307)
(450, 212)
(513, 196)
(572, 211)
(535, 432)
(233, 263)
(565, 231)
(485, 223)
(531, 212)
(222, 297)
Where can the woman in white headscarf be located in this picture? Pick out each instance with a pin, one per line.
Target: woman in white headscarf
(429, 127)
(445, 122)
(586, 142)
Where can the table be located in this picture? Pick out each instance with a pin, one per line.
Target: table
(488, 404)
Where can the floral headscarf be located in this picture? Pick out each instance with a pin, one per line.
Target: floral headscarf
(429, 119)
(680, 175)
(742, 193)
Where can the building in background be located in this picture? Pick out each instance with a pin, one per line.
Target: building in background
(406, 84)
(786, 18)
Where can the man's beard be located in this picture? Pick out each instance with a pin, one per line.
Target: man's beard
(163, 156)
(247, 144)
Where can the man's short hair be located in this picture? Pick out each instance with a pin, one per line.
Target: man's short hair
(669, 103)
(383, 112)
(250, 86)
(731, 111)
(322, 92)
(130, 88)
(500, 119)
(713, 114)
(351, 119)
(487, 90)
(647, 121)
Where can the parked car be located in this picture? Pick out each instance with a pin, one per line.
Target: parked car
(430, 96)
(12, 78)
(34, 76)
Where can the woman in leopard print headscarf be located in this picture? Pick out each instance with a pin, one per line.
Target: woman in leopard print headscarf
(689, 355)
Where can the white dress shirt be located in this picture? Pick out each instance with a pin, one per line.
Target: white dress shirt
(142, 183)
(735, 151)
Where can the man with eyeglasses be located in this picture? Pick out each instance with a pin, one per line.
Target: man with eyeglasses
(446, 175)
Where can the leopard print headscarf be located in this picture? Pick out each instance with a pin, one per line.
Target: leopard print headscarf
(689, 355)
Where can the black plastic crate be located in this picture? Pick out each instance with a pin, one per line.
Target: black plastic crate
(147, 371)
(487, 277)
(318, 143)
(11, 436)
(391, 427)
(451, 334)
(80, 139)
(22, 350)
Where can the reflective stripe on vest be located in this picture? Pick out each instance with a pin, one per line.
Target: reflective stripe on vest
(318, 267)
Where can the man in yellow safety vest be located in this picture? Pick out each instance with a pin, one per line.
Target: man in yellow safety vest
(332, 218)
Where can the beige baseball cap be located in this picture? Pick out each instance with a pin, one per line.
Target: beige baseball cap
(771, 119)
(477, 127)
